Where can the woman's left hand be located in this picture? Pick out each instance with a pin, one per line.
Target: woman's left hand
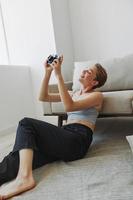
(56, 64)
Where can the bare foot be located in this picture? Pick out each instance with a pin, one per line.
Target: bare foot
(19, 185)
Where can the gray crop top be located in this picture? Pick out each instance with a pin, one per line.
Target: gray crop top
(89, 115)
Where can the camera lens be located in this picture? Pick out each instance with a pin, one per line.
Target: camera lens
(51, 58)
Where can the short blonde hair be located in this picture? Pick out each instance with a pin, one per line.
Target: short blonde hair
(101, 75)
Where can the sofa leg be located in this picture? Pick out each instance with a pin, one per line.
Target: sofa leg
(60, 120)
(61, 117)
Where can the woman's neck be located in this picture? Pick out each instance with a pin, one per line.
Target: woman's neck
(85, 90)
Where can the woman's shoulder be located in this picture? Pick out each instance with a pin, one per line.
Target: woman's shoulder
(98, 94)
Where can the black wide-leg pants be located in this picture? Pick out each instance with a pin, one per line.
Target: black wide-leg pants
(48, 142)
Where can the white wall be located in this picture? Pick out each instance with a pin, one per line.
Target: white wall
(30, 37)
(101, 29)
(16, 96)
(3, 50)
(63, 35)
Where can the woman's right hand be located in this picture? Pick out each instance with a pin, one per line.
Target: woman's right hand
(48, 67)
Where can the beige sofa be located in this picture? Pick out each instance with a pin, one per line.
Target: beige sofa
(118, 90)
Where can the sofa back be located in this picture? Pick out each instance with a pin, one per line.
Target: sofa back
(119, 70)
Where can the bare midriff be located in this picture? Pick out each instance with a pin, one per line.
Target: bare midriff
(86, 123)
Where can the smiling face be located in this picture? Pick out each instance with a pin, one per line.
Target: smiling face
(88, 77)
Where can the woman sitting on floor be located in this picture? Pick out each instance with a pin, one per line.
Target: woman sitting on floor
(38, 143)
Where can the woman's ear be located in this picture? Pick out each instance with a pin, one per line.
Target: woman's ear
(95, 83)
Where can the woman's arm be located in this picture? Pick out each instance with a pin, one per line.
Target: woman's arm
(64, 94)
(94, 99)
(44, 95)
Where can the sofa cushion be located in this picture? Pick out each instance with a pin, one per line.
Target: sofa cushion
(46, 106)
(57, 107)
(116, 102)
(119, 71)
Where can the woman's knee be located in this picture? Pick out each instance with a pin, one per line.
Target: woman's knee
(25, 121)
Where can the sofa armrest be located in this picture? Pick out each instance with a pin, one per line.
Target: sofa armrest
(54, 87)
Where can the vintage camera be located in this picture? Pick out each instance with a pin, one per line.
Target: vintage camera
(52, 57)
